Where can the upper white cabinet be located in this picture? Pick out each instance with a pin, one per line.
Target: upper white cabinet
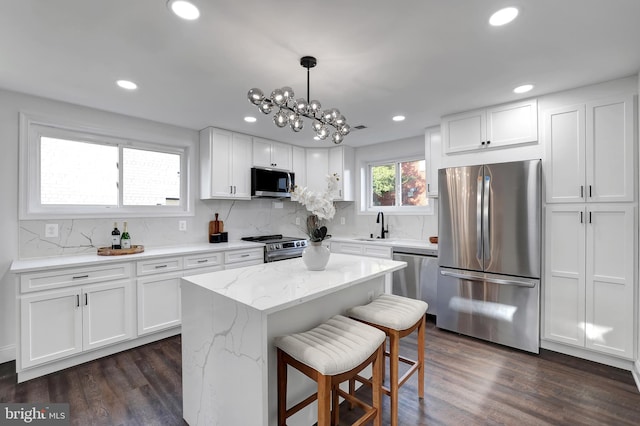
(493, 127)
(590, 151)
(322, 162)
(299, 165)
(271, 154)
(225, 164)
(433, 150)
(589, 277)
(341, 161)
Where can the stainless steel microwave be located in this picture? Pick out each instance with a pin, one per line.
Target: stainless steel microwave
(271, 183)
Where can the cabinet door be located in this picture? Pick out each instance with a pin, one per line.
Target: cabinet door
(564, 278)
(432, 155)
(610, 150)
(215, 165)
(464, 132)
(262, 153)
(512, 124)
(299, 165)
(564, 134)
(610, 279)
(341, 161)
(317, 169)
(281, 155)
(50, 326)
(241, 166)
(107, 313)
(158, 302)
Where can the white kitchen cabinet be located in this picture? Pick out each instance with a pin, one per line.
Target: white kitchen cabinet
(299, 165)
(159, 305)
(225, 164)
(317, 169)
(59, 323)
(493, 127)
(271, 154)
(590, 152)
(589, 277)
(433, 150)
(241, 258)
(371, 250)
(342, 162)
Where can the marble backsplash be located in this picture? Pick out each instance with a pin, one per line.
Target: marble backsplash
(241, 218)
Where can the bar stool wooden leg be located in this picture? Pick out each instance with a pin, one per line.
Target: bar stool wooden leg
(376, 393)
(282, 389)
(324, 400)
(394, 363)
(421, 332)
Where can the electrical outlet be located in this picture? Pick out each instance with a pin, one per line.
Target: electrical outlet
(51, 230)
(182, 225)
(342, 221)
(278, 205)
(297, 221)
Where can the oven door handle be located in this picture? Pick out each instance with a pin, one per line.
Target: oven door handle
(276, 255)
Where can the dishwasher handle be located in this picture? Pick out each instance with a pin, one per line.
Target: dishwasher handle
(493, 280)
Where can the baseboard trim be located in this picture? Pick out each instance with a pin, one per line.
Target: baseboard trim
(7, 353)
(589, 355)
(636, 373)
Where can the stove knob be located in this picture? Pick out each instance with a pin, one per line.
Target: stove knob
(279, 246)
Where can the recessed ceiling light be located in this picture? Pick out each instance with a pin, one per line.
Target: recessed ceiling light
(523, 89)
(503, 16)
(126, 84)
(398, 118)
(184, 9)
(250, 119)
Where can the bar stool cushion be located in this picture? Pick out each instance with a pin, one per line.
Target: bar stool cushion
(334, 347)
(391, 311)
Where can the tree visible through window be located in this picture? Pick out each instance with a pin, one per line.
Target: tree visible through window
(398, 184)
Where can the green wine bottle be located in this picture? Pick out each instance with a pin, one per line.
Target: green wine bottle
(125, 241)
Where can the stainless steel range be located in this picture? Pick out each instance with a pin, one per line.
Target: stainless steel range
(278, 247)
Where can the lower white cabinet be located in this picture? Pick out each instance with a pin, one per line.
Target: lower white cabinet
(59, 323)
(370, 250)
(589, 277)
(159, 304)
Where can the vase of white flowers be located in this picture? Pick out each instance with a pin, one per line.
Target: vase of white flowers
(316, 256)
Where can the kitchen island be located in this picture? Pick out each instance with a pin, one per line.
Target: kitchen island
(229, 321)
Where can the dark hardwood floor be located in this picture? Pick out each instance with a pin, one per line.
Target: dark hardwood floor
(468, 382)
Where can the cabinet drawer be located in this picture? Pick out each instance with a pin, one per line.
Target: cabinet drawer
(347, 248)
(202, 260)
(156, 266)
(73, 276)
(246, 263)
(372, 251)
(243, 255)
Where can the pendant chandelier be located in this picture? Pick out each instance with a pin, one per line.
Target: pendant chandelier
(291, 111)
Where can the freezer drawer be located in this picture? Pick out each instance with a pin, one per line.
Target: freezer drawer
(498, 308)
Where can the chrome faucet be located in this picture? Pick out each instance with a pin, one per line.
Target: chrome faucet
(380, 219)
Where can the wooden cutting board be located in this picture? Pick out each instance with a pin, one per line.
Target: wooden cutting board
(216, 226)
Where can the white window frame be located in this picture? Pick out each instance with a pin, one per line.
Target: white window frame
(33, 127)
(368, 190)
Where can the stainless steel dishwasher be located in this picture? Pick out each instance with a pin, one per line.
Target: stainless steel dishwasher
(419, 280)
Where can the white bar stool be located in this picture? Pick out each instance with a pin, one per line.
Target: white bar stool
(330, 354)
(398, 317)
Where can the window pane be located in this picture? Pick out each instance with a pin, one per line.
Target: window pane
(383, 180)
(150, 178)
(413, 183)
(79, 173)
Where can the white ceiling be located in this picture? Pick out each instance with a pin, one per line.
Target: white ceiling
(376, 58)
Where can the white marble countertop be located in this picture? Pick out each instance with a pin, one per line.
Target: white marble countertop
(397, 243)
(275, 286)
(35, 264)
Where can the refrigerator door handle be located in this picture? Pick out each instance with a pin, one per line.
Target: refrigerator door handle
(486, 223)
(479, 219)
(482, 277)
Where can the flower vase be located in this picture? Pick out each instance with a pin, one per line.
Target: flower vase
(315, 256)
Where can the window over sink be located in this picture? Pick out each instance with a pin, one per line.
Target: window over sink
(70, 171)
(398, 186)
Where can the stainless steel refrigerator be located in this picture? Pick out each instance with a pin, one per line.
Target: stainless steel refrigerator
(489, 221)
